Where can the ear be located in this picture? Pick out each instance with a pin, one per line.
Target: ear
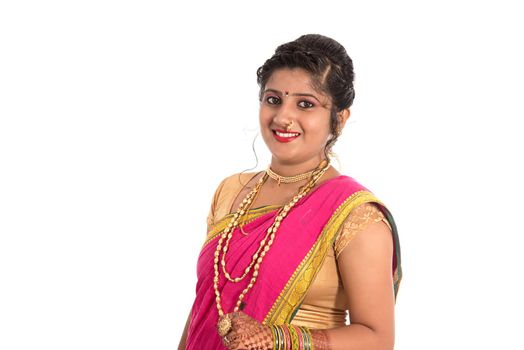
(343, 117)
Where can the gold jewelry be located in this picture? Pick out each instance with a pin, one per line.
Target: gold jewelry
(242, 220)
(224, 323)
(289, 125)
(224, 326)
(231, 227)
(288, 179)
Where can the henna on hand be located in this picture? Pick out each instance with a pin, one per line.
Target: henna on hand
(320, 340)
(247, 334)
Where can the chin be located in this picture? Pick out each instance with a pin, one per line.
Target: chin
(284, 157)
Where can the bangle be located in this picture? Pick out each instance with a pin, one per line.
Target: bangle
(294, 337)
(279, 340)
(300, 338)
(281, 337)
(287, 338)
(307, 337)
(290, 337)
(276, 342)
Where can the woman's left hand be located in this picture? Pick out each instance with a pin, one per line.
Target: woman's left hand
(247, 333)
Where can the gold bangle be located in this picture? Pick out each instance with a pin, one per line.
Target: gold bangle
(307, 338)
(277, 338)
(274, 335)
(282, 338)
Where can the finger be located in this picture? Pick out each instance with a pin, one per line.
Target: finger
(226, 341)
(229, 342)
(241, 316)
(236, 318)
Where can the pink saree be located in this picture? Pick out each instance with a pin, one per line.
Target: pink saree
(290, 266)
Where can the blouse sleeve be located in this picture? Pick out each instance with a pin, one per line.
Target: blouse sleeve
(212, 211)
(357, 221)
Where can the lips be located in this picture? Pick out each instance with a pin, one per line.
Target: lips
(285, 136)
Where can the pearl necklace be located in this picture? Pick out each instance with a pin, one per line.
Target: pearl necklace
(224, 324)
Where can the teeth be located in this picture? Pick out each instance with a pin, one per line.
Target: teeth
(286, 134)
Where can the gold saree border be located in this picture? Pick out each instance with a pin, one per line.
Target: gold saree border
(252, 214)
(295, 290)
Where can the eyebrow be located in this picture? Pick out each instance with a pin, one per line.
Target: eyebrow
(295, 94)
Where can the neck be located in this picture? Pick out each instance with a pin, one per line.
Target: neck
(292, 169)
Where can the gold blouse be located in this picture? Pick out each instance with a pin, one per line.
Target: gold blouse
(325, 305)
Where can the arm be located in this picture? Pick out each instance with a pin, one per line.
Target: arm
(182, 343)
(365, 269)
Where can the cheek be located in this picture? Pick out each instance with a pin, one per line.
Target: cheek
(264, 117)
(321, 129)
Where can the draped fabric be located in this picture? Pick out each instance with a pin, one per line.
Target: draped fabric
(289, 268)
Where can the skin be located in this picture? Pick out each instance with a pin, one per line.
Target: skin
(309, 110)
(365, 264)
(182, 343)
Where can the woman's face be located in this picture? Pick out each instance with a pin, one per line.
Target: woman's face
(289, 97)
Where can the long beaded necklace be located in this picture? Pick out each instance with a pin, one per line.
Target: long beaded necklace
(279, 179)
(224, 324)
(241, 221)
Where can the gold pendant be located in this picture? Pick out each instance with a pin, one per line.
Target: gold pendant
(224, 326)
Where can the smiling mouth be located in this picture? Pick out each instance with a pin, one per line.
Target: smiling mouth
(285, 136)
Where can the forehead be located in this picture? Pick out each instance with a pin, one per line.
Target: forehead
(294, 80)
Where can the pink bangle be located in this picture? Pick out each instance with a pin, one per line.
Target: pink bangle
(287, 336)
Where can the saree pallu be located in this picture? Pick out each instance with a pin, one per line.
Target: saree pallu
(290, 266)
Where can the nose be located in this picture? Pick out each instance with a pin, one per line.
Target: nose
(285, 113)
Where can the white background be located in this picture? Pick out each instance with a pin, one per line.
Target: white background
(118, 119)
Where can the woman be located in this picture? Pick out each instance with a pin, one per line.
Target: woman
(291, 249)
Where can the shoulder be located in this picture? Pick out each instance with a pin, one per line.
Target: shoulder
(366, 239)
(358, 220)
(235, 182)
(226, 193)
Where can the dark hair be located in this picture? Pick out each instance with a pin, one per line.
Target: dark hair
(331, 72)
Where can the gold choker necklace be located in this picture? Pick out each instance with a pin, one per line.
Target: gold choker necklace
(290, 179)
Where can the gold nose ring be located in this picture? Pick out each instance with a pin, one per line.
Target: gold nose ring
(289, 125)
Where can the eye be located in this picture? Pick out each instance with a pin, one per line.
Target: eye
(272, 100)
(305, 104)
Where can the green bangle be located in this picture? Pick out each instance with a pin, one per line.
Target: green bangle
(294, 337)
